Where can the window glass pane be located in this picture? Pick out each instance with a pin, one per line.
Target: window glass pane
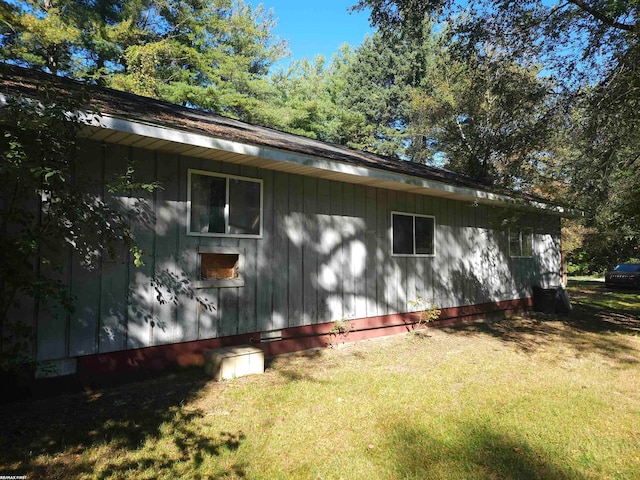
(424, 236)
(402, 234)
(244, 207)
(527, 243)
(514, 243)
(207, 204)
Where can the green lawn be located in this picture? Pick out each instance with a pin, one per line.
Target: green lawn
(517, 398)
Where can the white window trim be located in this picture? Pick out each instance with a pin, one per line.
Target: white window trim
(226, 207)
(414, 215)
(521, 232)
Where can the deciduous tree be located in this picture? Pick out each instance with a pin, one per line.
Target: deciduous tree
(47, 213)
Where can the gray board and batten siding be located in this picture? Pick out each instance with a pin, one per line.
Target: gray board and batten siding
(324, 255)
(324, 249)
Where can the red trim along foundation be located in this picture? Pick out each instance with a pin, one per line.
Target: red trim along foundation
(102, 367)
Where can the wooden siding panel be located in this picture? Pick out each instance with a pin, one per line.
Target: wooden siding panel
(52, 340)
(325, 242)
(115, 272)
(412, 273)
(113, 311)
(504, 289)
(229, 310)
(84, 321)
(459, 254)
(494, 253)
(441, 279)
(351, 234)
(452, 253)
(478, 242)
(373, 266)
(425, 207)
(467, 235)
(140, 298)
(384, 272)
(336, 236)
(296, 235)
(189, 312)
(208, 312)
(310, 254)
(264, 260)
(432, 206)
(247, 315)
(280, 254)
(415, 268)
(168, 277)
(483, 249)
(359, 252)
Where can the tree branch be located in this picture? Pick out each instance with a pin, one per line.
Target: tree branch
(602, 17)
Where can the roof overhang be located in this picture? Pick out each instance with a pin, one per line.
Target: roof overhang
(116, 130)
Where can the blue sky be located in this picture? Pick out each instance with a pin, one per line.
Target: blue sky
(317, 27)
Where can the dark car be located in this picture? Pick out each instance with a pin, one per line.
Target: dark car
(624, 275)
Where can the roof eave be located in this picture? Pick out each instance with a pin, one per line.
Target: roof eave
(277, 159)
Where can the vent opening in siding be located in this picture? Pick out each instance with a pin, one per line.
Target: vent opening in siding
(271, 336)
(219, 266)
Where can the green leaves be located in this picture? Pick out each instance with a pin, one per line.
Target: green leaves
(47, 213)
(209, 54)
(128, 183)
(540, 96)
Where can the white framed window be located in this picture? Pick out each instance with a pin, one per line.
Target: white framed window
(223, 205)
(521, 243)
(412, 234)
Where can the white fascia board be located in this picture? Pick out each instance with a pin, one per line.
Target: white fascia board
(278, 155)
(195, 139)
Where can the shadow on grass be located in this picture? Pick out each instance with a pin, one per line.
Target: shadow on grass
(306, 365)
(601, 322)
(296, 367)
(125, 419)
(478, 452)
(599, 309)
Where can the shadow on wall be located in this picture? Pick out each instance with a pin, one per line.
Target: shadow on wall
(486, 274)
(325, 256)
(349, 271)
(328, 262)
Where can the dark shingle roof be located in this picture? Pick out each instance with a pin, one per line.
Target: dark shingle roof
(137, 108)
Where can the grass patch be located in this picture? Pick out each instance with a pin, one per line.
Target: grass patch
(520, 398)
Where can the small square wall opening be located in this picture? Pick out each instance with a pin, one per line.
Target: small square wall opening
(219, 266)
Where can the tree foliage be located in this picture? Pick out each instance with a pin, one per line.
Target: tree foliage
(302, 101)
(591, 52)
(355, 99)
(538, 95)
(47, 213)
(214, 55)
(376, 86)
(486, 116)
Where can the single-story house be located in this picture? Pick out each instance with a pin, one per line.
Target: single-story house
(271, 239)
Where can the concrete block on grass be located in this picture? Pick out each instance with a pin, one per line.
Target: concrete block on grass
(233, 362)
